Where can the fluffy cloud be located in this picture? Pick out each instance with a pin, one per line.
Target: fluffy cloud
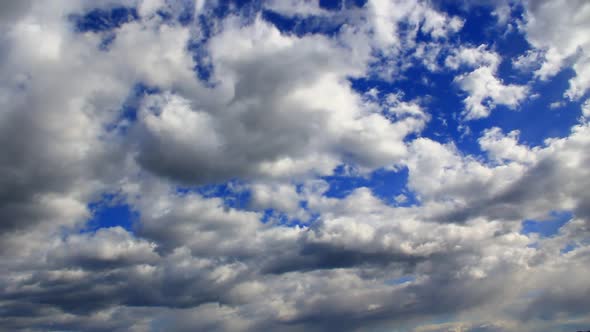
(272, 85)
(57, 155)
(385, 18)
(486, 91)
(482, 85)
(473, 57)
(559, 29)
(586, 109)
(502, 147)
(225, 134)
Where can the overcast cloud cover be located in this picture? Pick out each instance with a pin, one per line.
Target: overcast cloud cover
(295, 165)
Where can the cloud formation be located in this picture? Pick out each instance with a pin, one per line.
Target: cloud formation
(292, 166)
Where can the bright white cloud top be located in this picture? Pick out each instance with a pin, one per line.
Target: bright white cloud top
(296, 165)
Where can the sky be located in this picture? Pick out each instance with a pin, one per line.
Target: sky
(295, 165)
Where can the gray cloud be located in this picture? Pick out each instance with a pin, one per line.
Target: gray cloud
(278, 111)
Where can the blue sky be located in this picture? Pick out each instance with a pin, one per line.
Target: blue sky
(533, 118)
(304, 165)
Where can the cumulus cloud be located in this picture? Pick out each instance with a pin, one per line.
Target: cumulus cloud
(226, 136)
(586, 108)
(559, 29)
(505, 147)
(485, 90)
(271, 85)
(472, 57)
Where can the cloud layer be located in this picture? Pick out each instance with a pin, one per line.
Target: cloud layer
(291, 166)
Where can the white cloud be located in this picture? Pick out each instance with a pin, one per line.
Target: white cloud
(393, 28)
(278, 111)
(106, 248)
(531, 60)
(296, 8)
(502, 147)
(280, 197)
(285, 109)
(486, 91)
(472, 57)
(556, 105)
(586, 108)
(560, 29)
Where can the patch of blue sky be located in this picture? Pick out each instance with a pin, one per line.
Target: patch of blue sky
(401, 280)
(536, 119)
(331, 4)
(387, 185)
(510, 46)
(575, 244)
(312, 24)
(207, 24)
(232, 192)
(336, 5)
(185, 14)
(110, 211)
(300, 26)
(236, 195)
(568, 247)
(245, 8)
(439, 97)
(446, 100)
(202, 69)
(106, 41)
(103, 21)
(130, 107)
(313, 216)
(479, 22)
(278, 218)
(548, 227)
(99, 20)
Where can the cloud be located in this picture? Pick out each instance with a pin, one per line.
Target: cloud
(57, 156)
(472, 57)
(107, 248)
(486, 91)
(548, 183)
(232, 173)
(559, 29)
(320, 123)
(12, 11)
(505, 147)
(482, 85)
(586, 109)
(385, 18)
(297, 8)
